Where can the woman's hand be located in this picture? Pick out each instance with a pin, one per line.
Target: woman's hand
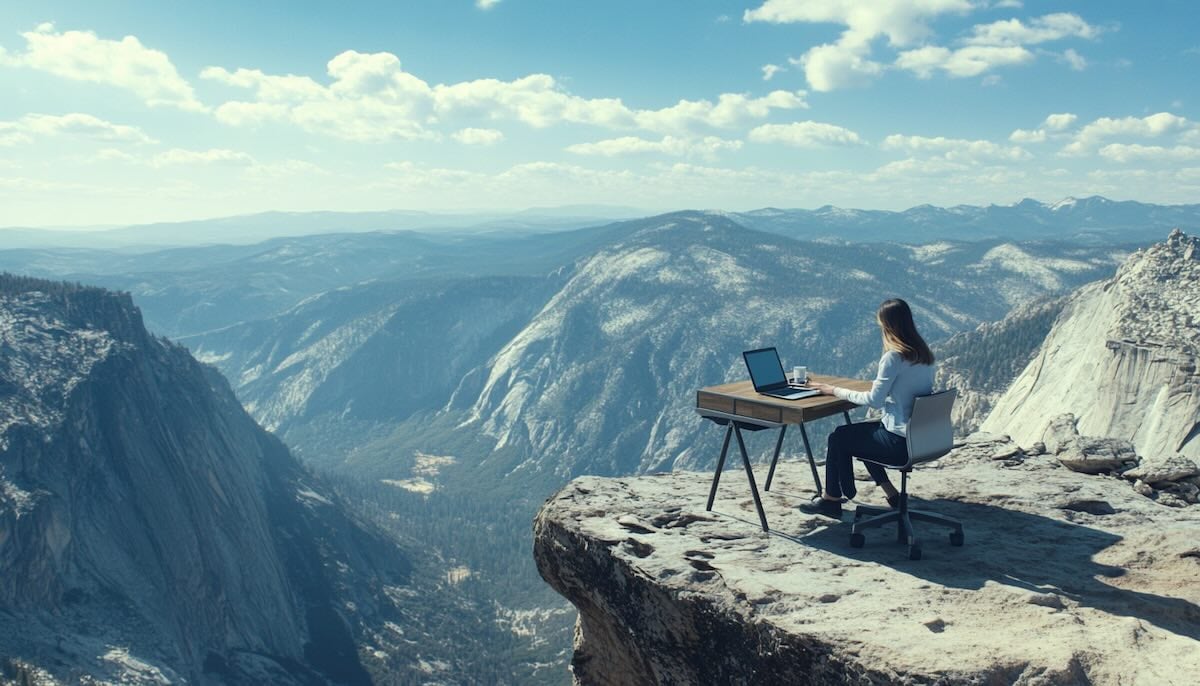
(822, 387)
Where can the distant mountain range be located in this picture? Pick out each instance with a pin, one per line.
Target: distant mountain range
(255, 228)
(1093, 220)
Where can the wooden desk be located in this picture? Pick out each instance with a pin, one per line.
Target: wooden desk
(738, 406)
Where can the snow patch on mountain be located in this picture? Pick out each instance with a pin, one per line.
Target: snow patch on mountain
(1045, 271)
(931, 251)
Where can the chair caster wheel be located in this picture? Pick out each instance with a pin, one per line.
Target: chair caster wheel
(956, 538)
(914, 552)
(857, 540)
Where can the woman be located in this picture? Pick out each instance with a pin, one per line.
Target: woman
(905, 372)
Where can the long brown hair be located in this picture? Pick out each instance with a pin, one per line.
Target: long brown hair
(900, 333)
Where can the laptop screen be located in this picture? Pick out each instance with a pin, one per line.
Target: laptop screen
(765, 368)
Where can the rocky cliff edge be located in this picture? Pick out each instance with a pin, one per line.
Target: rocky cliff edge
(1065, 578)
(1121, 357)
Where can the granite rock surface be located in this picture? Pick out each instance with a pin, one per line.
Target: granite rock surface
(1065, 578)
(1121, 357)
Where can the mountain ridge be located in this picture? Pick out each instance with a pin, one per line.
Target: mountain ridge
(1134, 343)
(141, 507)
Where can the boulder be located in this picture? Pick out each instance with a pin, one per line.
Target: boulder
(1091, 455)
(1059, 433)
(1163, 470)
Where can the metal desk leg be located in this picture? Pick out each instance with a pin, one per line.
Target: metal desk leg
(778, 445)
(812, 463)
(762, 517)
(712, 493)
(846, 414)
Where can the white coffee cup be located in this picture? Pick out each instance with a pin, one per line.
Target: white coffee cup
(800, 374)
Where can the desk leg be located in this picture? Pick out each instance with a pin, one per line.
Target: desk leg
(762, 517)
(846, 414)
(812, 463)
(712, 493)
(778, 445)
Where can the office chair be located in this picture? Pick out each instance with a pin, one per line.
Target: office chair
(930, 436)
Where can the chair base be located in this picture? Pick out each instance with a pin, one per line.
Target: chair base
(905, 533)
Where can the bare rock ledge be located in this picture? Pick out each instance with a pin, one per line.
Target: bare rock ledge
(1065, 578)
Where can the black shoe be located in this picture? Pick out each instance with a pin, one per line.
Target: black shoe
(821, 506)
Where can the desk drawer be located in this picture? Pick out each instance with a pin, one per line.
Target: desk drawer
(712, 401)
(749, 409)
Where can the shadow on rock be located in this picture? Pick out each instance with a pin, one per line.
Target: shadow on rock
(1019, 549)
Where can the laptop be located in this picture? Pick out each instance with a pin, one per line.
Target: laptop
(766, 373)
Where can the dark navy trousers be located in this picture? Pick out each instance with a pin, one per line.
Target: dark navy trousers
(864, 439)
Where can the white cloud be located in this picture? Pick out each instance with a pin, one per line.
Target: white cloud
(1026, 136)
(1128, 152)
(848, 62)
(1074, 59)
(902, 22)
(969, 61)
(913, 166)
(536, 100)
(730, 110)
(1059, 122)
(844, 64)
(1053, 124)
(213, 156)
(113, 154)
(1150, 126)
(998, 44)
(486, 4)
(127, 64)
(804, 134)
(473, 136)
(770, 70)
(1050, 27)
(371, 97)
(706, 147)
(25, 129)
(955, 149)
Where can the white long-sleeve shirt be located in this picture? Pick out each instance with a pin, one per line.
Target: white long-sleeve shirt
(894, 390)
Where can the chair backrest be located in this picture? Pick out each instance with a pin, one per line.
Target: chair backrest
(930, 431)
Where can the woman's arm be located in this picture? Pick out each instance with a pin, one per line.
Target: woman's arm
(889, 367)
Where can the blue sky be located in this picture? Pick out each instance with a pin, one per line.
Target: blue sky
(136, 111)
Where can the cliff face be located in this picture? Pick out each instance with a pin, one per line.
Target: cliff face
(982, 363)
(141, 507)
(1122, 358)
(1064, 579)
